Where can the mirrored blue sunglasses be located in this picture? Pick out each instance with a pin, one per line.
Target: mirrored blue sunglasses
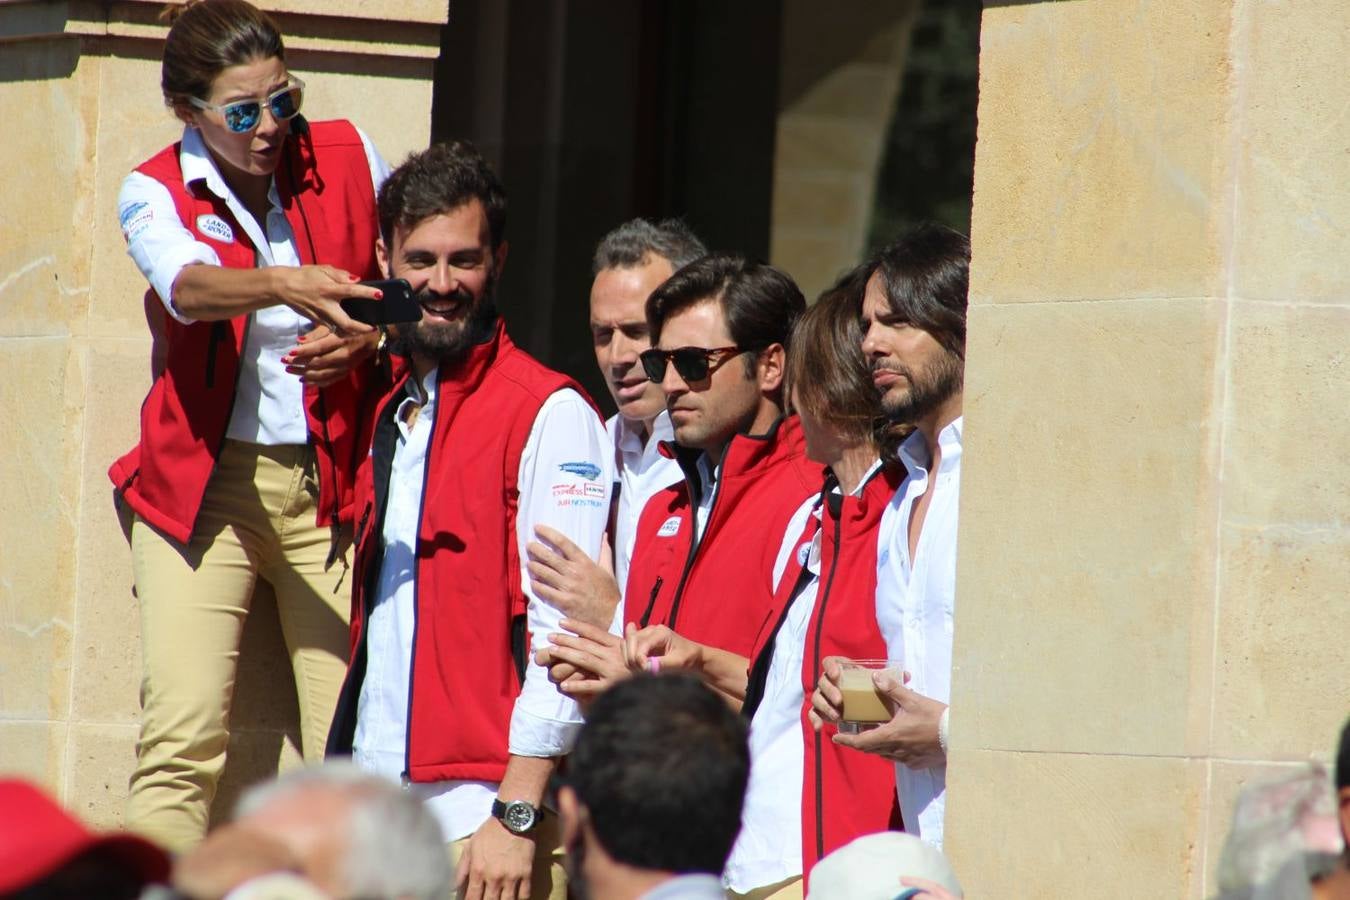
(243, 116)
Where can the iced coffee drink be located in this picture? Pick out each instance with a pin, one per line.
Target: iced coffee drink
(864, 707)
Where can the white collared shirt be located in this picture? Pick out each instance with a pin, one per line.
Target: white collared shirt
(916, 601)
(268, 406)
(544, 722)
(708, 475)
(641, 471)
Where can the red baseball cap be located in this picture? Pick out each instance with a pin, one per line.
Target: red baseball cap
(37, 837)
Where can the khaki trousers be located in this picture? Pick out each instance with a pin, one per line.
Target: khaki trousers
(787, 889)
(257, 521)
(549, 879)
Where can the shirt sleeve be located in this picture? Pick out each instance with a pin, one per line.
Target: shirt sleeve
(157, 240)
(566, 474)
(379, 169)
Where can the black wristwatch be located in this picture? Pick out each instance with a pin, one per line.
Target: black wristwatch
(518, 816)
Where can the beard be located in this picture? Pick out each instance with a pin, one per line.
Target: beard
(449, 342)
(929, 388)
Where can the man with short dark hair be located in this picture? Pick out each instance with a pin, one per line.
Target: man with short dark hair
(702, 565)
(914, 318)
(478, 445)
(630, 262)
(652, 803)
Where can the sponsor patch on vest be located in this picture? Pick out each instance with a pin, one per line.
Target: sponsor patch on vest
(588, 470)
(214, 226)
(135, 218)
(669, 527)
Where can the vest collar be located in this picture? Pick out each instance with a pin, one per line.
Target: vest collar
(199, 168)
(465, 375)
(745, 453)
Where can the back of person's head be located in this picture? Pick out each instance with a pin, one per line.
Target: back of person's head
(827, 373)
(635, 242)
(870, 868)
(375, 840)
(926, 275)
(440, 180)
(661, 766)
(48, 854)
(761, 304)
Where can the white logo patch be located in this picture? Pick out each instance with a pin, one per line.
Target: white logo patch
(215, 227)
(135, 218)
(803, 553)
(669, 527)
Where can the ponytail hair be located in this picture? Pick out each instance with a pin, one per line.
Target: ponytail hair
(208, 36)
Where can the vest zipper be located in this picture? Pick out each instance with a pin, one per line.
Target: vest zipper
(815, 667)
(651, 601)
(361, 526)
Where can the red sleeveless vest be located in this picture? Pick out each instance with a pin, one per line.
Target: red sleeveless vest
(470, 645)
(186, 413)
(845, 794)
(719, 593)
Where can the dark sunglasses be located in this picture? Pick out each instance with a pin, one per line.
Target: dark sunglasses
(243, 116)
(692, 363)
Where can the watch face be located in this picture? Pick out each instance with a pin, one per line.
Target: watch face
(519, 816)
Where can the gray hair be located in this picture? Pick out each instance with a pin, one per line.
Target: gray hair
(395, 846)
(631, 243)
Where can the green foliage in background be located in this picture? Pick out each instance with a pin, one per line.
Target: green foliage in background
(928, 164)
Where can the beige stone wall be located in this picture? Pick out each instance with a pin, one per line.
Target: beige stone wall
(79, 86)
(1154, 549)
(839, 78)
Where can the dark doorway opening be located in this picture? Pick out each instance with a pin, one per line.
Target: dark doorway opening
(596, 111)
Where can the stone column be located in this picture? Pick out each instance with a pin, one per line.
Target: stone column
(839, 77)
(1154, 548)
(79, 83)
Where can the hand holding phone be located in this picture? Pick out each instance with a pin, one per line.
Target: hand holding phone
(396, 306)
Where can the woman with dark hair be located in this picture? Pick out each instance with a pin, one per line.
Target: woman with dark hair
(250, 231)
(824, 605)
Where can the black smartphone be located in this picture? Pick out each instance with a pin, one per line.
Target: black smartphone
(397, 305)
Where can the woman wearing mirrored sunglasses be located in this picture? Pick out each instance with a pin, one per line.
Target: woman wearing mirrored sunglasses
(250, 230)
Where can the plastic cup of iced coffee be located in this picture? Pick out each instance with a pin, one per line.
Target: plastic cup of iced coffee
(864, 707)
